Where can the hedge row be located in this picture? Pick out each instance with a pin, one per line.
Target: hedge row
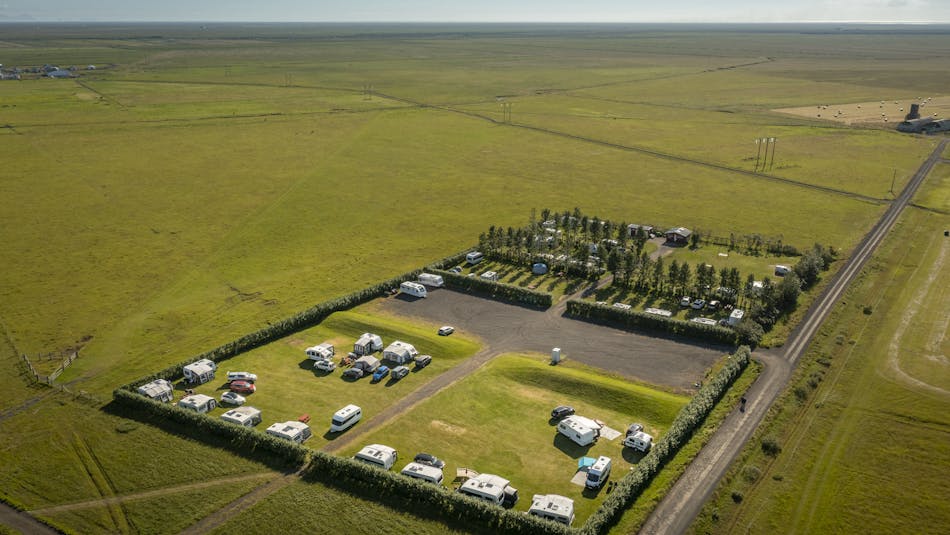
(421, 498)
(241, 438)
(641, 320)
(496, 290)
(686, 423)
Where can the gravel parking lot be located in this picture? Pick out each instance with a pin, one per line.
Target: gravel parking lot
(510, 328)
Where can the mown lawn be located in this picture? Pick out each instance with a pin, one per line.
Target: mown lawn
(497, 421)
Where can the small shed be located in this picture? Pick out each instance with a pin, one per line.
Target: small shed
(678, 235)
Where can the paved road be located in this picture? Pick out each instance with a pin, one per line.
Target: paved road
(23, 522)
(682, 504)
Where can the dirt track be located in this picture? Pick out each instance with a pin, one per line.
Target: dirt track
(508, 328)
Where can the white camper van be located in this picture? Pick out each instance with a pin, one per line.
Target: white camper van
(243, 416)
(159, 389)
(423, 472)
(474, 257)
(199, 403)
(553, 507)
(639, 441)
(200, 371)
(345, 418)
(322, 351)
(293, 431)
(598, 473)
(735, 317)
(431, 279)
(413, 288)
(583, 431)
(377, 455)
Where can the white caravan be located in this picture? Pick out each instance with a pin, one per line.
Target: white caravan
(200, 371)
(199, 403)
(293, 431)
(243, 416)
(345, 418)
(159, 389)
(583, 431)
(423, 472)
(377, 455)
(431, 279)
(413, 288)
(553, 507)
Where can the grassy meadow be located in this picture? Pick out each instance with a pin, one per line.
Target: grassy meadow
(201, 183)
(862, 423)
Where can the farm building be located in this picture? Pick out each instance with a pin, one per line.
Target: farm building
(633, 230)
(400, 352)
(159, 389)
(367, 344)
(915, 126)
(678, 235)
(553, 507)
(200, 371)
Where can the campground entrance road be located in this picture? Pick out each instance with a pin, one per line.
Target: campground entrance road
(676, 512)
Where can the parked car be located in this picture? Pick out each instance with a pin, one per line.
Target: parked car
(712, 305)
(685, 301)
(324, 365)
(446, 330)
(634, 429)
(561, 411)
(380, 373)
(399, 372)
(242, 376)
(353, 373)
(244, 387)
(698, 304)
(430, 460)
(423, 360)
(232, 398)
(456, 270)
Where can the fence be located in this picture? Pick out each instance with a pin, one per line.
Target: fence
(49, 379)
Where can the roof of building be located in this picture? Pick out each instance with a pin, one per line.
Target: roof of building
(680, 231)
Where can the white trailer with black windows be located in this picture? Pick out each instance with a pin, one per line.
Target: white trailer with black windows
(367, 344)
(159, 389)
(199, 403)
(293, 431)
(423, 472)
(474, 257)
(431, 279)
(377, 455)
(413, 288)
(243, 416)
(582, 431)
(345, 418)
(200, 371)
(553, 507)
(324, 351)
(488, 487)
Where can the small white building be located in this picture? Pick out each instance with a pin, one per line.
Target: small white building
(368, 343)
(199, 403)
(324, 351)
(159, 389)
(639, 441)
(423, 472)
(488, 487)
(582, 431)
(200, 371)
(736, 316)
(400, 352)
(377, 455)
(244, 416)
(553, 507)
(293, 431)
(413, 288)
(431, 279)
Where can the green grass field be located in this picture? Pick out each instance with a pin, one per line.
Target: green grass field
(873, 428)
(497, 421)
(935, 192)
(200, 184)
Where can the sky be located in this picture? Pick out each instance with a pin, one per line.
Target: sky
(914, 11)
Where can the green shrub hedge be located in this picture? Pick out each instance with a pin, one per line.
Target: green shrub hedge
(641, 320)
(496, 290)
(687, 421)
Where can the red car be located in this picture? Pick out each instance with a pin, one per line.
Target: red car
(244, 387)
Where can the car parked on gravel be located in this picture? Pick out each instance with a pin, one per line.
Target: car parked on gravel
(244, 387)
(561, 411)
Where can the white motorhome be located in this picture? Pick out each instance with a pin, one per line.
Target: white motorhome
(488, 487)
(736, 316)
(322, 351)
(159, 389)
(413, 288)
(474, 257)
(400, 352)
(345, 418)
(598, 473)
(431, 279)
(583, 431)
(639, 441)
(199, 403)
(200, 371)
(423, 472)
(243, 416)
(377, 455)
(293, 431)
(553, 507)
(367, 344)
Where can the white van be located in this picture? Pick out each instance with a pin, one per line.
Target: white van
(378, 455)
(413, 288)
(345, 418)
(598, 473)
(423, 472)
(474, 257)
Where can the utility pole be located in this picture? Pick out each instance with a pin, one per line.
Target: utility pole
(772, 140)
(758, 151)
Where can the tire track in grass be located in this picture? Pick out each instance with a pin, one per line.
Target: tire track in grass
(103, 486)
